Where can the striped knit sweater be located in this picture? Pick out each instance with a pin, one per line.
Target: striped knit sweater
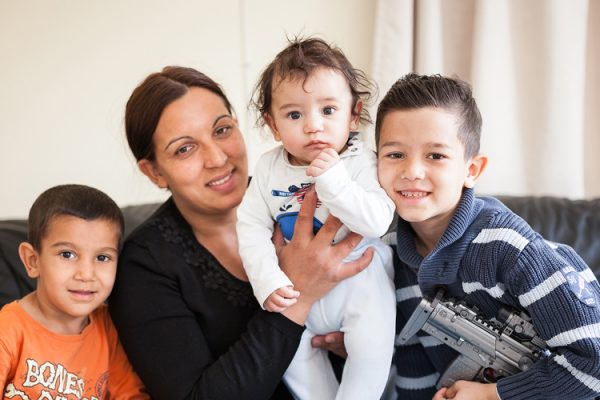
(491, 257)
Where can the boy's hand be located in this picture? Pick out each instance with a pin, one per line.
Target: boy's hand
(333, 342)
(464, 390)
(325, 160)
(281, 299)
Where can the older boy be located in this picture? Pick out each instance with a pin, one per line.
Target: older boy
(59, 341)
(427, 133)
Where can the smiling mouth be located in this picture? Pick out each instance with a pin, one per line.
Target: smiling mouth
(413, 194)
(221, 180)
(82, 292)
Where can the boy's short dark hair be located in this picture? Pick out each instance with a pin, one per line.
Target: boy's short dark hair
(298, 60)
(75, 200)
(452, 94)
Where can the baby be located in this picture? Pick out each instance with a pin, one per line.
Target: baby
(310, 97)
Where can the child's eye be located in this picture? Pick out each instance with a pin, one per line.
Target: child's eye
(294, 115)
(67, 254)
(183, 149)
(329, 110)
(395, 155)
(436, 156)
(103, 258)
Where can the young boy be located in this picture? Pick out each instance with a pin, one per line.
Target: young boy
(58, 342)
(310, 96)
(427, 133)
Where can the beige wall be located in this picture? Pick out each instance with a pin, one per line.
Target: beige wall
(68, 66)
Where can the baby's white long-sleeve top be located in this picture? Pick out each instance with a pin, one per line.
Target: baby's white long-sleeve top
(349, 190)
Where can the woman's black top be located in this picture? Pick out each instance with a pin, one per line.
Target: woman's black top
(191, 329)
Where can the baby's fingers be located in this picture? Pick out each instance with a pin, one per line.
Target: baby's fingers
(287, 292)
(279, 304)
(328, 154)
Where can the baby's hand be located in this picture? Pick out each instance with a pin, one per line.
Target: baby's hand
(464, 390)
(325, 160)
(281, 299)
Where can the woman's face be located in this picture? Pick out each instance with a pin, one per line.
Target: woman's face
(200, 154)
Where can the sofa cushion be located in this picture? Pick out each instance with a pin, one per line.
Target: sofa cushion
(573, 222)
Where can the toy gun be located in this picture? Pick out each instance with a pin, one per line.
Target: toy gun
(489, 349)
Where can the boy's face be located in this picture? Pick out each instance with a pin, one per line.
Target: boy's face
(421, 165)
(310, 115)
(75, 267)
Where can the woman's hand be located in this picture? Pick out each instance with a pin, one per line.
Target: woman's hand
(333, 342)
(464, 390)
(312, 262)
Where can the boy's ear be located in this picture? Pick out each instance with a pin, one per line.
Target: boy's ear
(355, 122)
(30, 258)
(271, 123)
(475, 168)
(149, 169)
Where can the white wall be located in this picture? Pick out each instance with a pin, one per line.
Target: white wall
(68, 66)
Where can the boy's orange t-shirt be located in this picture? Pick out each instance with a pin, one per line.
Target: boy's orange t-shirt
(36, 363)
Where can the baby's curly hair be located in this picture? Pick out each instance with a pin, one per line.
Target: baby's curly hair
(297, 61)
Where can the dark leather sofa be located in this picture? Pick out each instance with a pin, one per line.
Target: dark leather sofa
(574, 222)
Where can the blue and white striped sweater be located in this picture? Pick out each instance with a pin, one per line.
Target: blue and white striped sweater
(491, 257)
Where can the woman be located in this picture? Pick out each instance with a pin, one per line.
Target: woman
(182, 304)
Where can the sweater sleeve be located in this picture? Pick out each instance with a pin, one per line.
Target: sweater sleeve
(562, 296)
(254, 230)
(353, 194)
(167, 347)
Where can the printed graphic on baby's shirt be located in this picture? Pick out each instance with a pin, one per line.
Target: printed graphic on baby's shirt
(294, 196)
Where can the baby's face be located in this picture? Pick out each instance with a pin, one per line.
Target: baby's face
(76, 266)
(310, 115)
(421, 164)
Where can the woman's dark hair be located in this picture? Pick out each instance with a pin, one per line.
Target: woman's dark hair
(414, 91)
(152, 96)
(75, 200)
(298, 60)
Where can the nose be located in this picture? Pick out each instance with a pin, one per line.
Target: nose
(412, 169)
(213, 155)
(313, 123)
(85, 271)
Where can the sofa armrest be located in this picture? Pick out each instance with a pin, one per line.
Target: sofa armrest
(14, 282)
